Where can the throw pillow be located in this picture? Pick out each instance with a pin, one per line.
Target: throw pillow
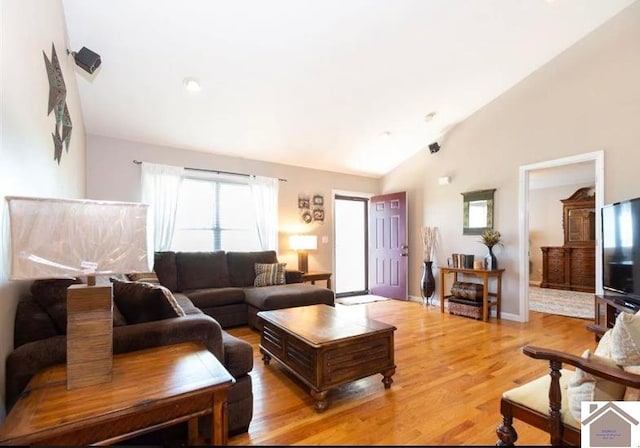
(625, 340)
(586, 387)
(604, 345)
(143, 302)
(268, 274)
(51, 295)
(146, 277)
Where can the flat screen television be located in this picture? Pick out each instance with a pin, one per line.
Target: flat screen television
(621, 250)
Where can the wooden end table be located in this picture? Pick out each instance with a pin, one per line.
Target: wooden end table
(150, 389)
(313, 276)
(325, 347)
(484, 275)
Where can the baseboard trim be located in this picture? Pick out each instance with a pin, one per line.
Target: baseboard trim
(510, 316)
(534, 283)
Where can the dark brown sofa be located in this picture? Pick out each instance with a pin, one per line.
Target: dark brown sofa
(40, 342)
(221, 284)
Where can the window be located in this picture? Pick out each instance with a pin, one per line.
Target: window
(215, 214)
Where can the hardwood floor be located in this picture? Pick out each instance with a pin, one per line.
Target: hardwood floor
(451, 372)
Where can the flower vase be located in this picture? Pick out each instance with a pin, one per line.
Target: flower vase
(490, 260)
(428, 285)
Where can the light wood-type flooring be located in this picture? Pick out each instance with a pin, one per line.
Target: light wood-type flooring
(451, 372)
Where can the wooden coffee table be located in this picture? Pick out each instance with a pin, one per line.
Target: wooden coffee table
(150, 389)
(326, 347)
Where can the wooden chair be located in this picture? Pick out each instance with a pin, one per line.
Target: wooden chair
(527, 403)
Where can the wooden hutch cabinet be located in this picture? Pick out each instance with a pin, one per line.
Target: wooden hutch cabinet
(572, 266)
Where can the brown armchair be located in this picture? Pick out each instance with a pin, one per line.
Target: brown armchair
(528, 404)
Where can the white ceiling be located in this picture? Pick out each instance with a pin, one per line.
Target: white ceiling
(340, 85)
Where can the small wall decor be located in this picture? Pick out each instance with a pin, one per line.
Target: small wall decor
(58, 103)
(311, 208)
(318, 214)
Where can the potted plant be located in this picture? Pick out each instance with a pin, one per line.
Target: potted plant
(429, 240)
(490, 238)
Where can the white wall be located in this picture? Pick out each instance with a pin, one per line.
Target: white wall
(27, 168)
(112, 175)
(586, 99)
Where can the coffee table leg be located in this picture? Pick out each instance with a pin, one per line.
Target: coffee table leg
(320, 398)
(266, 359)
(387, 380)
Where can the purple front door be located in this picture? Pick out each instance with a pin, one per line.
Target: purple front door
(388, 248)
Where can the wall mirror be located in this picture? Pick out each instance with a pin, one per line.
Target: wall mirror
(477, 211)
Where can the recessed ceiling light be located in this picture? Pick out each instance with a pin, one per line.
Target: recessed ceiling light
(191, 84)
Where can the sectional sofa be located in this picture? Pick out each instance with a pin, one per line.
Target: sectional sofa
(221, 284)
(214, 290)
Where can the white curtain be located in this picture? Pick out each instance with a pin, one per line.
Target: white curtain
(264, 192)
(161, 189)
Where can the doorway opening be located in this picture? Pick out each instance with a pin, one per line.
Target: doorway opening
(351, 249)
(526, 173)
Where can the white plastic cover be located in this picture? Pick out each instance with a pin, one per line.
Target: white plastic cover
(63, 238)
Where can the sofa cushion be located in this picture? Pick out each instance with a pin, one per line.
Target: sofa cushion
(242, 265)
(32, 323)
(199, 270)
(212, 297)
(288, 296)
(269, 274)
(164, 265)
(143, 302)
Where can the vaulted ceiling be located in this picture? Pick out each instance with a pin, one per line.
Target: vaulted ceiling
(354, 86)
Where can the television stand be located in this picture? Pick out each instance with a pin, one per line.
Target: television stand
(607, 309)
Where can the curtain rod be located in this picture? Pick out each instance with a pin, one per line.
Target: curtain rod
(138, 162)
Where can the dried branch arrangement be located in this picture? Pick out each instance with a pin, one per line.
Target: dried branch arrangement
(429, 240)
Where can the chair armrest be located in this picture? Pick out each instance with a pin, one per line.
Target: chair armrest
(293, 276)
(591, 366)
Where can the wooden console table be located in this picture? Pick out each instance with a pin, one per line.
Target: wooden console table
(312, 276)
(150, 389)
(483, 274)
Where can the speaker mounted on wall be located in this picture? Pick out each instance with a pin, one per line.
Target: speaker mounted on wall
(434, 147)
(86, 59)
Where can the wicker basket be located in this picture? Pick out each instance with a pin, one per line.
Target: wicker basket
(465, 307)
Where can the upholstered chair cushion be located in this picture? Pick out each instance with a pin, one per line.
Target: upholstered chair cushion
(535, 395)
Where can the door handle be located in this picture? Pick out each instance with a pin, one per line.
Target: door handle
(405, 250)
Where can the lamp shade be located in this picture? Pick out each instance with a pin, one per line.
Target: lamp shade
(63, 238)
(303, 242)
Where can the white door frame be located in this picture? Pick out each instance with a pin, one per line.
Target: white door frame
(523, 216)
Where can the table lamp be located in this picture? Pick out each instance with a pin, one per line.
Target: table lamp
(302, 244)
(66, 238)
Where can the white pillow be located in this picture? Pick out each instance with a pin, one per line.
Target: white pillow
(625, 340)
(586, 387)
(604, 346)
